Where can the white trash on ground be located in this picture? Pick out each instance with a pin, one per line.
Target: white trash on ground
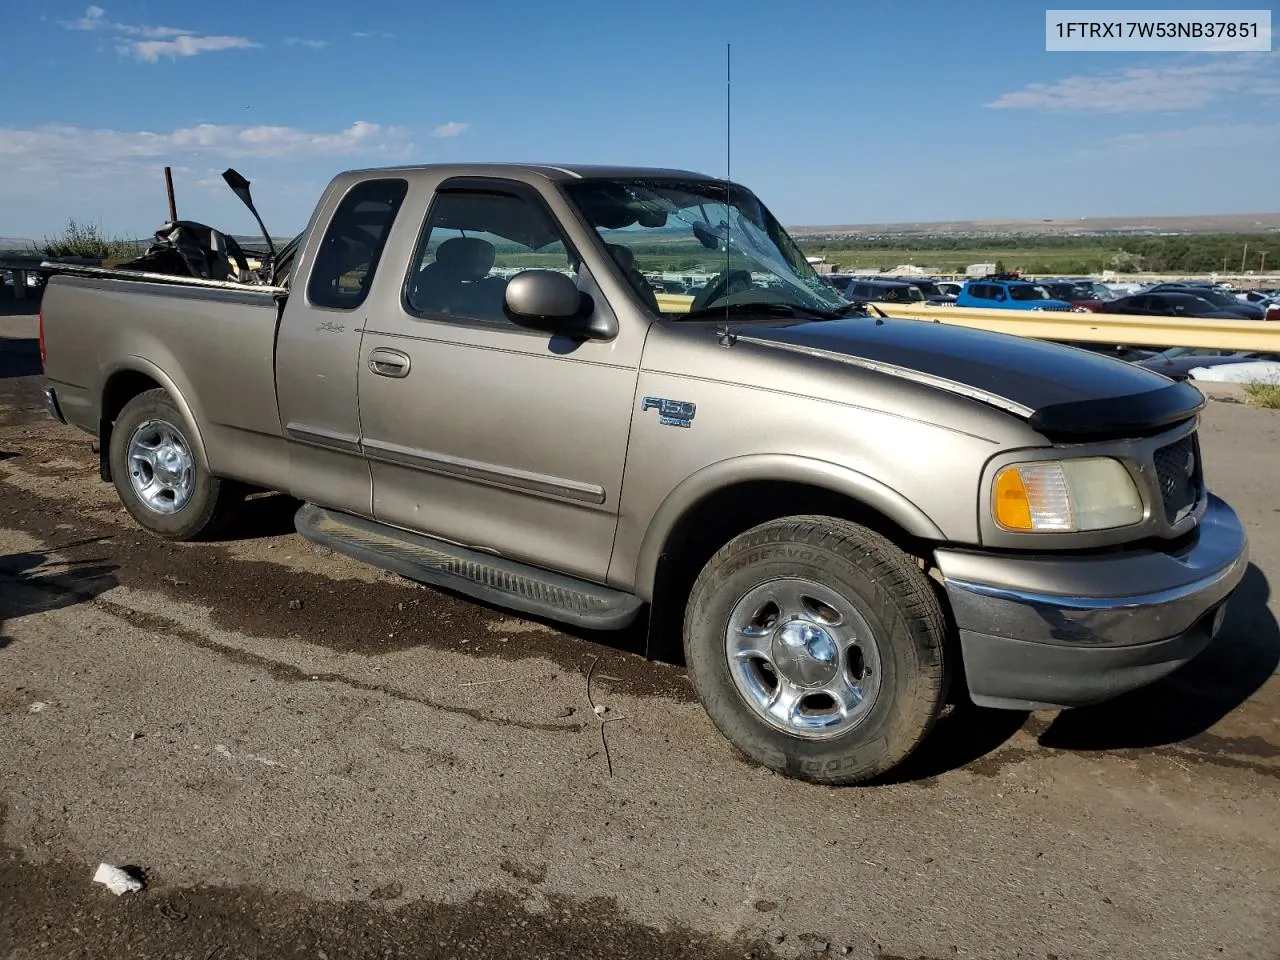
(116, 880)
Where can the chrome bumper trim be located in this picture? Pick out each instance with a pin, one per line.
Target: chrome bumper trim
(1081, 617)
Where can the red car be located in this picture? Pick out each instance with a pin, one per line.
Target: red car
(1079, 295)
(1273, 312)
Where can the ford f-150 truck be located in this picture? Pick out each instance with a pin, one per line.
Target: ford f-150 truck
(465, 376)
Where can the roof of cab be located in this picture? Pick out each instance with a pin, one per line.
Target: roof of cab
(560, 173)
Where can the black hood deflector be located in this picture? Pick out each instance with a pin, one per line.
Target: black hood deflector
(1111, 418)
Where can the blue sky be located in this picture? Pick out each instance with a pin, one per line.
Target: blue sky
(842, 112)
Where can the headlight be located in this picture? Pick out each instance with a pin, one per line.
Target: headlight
(1065, 496)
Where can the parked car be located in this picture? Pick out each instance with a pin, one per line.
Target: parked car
(883, 291)
(950, 288)
(832, 514)
(933, 293)
(1122, 289)
(839, 282)
(1008, 295)
(1079, 296)
(1101, 291)
(1239, 371)
(1225, 302)
(1172, 304)
(1178, 363)
(1260, 297)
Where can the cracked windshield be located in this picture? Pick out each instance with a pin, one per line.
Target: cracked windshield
(687, 251)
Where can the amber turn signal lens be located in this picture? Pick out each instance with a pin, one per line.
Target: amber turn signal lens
(1012, 508)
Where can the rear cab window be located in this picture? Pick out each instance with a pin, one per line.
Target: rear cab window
(348, 255)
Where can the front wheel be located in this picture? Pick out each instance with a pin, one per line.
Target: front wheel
(160, 476)
(817, 648)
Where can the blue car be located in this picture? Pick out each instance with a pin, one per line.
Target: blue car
(1002, 294)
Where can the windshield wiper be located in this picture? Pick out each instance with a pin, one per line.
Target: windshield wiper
(762, 309)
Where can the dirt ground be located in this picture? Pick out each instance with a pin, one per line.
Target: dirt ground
(308, 758)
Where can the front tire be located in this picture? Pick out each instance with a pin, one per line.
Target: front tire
(160, 476)
(818, 648)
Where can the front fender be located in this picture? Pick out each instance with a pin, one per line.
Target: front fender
(775, 467)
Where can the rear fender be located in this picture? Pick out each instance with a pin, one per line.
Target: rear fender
(135, 364)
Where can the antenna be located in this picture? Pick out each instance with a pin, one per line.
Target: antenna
(728, 157)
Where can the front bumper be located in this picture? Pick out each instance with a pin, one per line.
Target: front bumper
(1054, 632)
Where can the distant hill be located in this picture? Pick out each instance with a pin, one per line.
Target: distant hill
(1061, 226)
(16, 243)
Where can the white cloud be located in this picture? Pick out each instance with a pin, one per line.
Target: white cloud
(1185, 86)
(301, 42)
(91, 152)
(161, 41)
(450, 129)
(373, 34)
(95, 18)
(149, 51)
(1196, 137)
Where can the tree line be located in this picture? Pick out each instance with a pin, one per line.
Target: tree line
(1184, 253)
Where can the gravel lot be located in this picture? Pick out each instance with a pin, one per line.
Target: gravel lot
(309, 758)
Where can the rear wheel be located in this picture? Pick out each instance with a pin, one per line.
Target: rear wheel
(160, 476)
(817, 648)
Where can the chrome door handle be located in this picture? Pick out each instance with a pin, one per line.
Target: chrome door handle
(389, 363)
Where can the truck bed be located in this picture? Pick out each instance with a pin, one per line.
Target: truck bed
(211, 343)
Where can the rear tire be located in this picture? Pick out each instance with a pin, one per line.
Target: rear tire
(160, 475)
(818, 648)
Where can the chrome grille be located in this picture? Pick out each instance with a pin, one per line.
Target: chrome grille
(1179, 476)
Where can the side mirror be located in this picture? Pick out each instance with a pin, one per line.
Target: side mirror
(551, 301)
(999, 296)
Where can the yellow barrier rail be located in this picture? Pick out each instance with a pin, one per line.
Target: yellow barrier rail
(1108, 328)
(674, 302)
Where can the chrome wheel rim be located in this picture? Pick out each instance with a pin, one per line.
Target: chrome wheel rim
(803, 658)
(161, 467)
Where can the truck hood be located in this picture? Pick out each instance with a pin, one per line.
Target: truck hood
(1064, 393)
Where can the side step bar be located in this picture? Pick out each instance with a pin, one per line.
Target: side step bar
(496, 580)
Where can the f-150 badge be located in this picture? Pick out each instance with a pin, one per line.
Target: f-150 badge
(671, 413)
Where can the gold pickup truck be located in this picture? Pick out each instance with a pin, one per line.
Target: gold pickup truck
(465, 374)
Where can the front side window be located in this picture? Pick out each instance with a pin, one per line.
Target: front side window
(722, 240)
(1025, 291)
(472, 244)
(352, 244)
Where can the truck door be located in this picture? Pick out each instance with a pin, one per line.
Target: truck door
(318, 346)
(482, 432)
